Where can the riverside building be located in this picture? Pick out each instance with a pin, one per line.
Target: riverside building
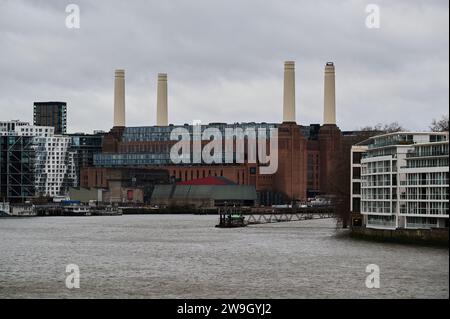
(401, 180)
(312, 159)
(34, 162)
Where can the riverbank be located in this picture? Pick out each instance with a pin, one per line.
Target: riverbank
(428, 237)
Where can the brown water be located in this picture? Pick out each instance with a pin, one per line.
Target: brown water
(184, 256)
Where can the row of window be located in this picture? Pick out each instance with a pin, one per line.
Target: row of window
(421, 222)
(381, 220)
(376, 167)
(376, 193)
(433, 178)
(424, 208)
(432, 162)
(426, 193)
(377, 180)
(429, 150)
(381, 207)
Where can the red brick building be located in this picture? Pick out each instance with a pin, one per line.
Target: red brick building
(311, 159)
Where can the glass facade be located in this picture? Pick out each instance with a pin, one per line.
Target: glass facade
(84, 147)
(162, 133)
(51, 114)
(141, 159)
(16, 168)
(406, 176)
(425, 189)
(150, 145)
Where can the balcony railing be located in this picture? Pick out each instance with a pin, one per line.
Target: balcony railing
(427, 154)
(425, 197)
(425, 182)
(380, 223)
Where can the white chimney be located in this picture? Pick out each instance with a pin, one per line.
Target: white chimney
(289, 92)
(119, 98)
(161, 101)
(329, 112)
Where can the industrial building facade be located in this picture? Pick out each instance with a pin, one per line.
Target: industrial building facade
(401, 180)
(311, 159)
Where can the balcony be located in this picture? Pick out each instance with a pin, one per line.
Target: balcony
(391, 142)
(426, 154)
(425, 182)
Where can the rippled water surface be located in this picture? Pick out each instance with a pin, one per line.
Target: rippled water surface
(184, 256)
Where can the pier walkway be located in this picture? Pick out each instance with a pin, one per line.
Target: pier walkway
(240, 217)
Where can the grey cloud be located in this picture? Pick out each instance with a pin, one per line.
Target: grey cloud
(225, 59)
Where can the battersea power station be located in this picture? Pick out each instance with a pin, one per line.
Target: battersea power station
(136, 166)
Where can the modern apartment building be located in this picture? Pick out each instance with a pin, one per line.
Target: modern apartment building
(10, 126)
(29, 148)
(54, 166)
(18, 128)
(401, 180)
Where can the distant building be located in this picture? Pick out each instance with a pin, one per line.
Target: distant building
(18, 128)
(205, 192)
(124, 185)
(85, 146)
(10, 126)
(51, 114)
(312, 159)
(36, 150)
(16, 168)
(54, 166)
(401, 180)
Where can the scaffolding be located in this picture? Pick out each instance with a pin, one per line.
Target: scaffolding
(16, 168)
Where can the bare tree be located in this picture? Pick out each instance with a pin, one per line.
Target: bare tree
(440, 125)
(384, 128)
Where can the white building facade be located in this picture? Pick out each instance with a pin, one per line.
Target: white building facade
(54, 165)
(402, 181)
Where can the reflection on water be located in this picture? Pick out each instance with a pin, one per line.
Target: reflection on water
(184, 256)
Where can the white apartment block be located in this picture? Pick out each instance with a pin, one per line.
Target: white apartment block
(18, 128)
(54, 166)
(9, 127)
(401, 180)
(54, 163)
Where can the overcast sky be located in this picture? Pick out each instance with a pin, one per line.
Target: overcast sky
(224, 60)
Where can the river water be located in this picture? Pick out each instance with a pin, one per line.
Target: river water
(184, 256)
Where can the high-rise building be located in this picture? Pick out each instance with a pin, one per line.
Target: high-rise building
(51, 114)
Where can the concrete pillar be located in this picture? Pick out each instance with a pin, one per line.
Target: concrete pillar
(161, 101)
(329, 112)
(289, 92)
(119, 98)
